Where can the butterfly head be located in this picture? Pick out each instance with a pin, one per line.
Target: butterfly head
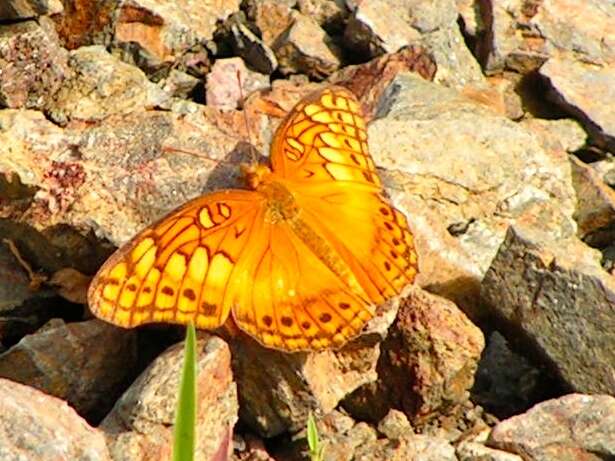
(254, 174)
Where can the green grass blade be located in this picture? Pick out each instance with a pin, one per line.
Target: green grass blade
(185, 416)
(316, 451)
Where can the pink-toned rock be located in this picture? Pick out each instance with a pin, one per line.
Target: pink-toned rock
(140, 426)
(427, 363)
(33, 65)
(37, 427)
(223, 83)
(571, 428)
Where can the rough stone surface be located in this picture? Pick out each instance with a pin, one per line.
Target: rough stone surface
(417, 447)
(131, 168)
(37, 427)
(427, 363)
(140, 426)
(271, 17)
(249, 46)
(582, 89)
(161, 31)
(223, 83)
(26, 9)
(523, 35)
(464, 173)
(506, 383)
(24, 47)
(278, 390)
(379, 26)
(67, 361)
(595, 213)
(102, 85)
(473, 451)
(368, 81)
(306, 48)
(555, 301)
(573, 427)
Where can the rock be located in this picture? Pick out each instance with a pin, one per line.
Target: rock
(427, 363)
(23, 307)
(35, 426)
(140, 426)
(26, 9)
(277, 390)
(595, 213)
(306, 48)
(470, 14)
(85, 22)
(246, 44)
(368, 81)
(521, 36)
(102, 86)
(134, 167)
(395, 425)
(573, 427)
(160, 32)
(180, 84)
(456, 66)
(224, 80)
(249, 448)
(553, 299)
(340, 436)
(331, 15)
(271, 17)
(67, 361)
(473, 451)
(379, 26)
(24, 47)
(557, 136)
(506, 383)
(464, 174)
(581, 89)
(419, 447)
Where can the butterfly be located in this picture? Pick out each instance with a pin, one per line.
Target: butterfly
(301, 260)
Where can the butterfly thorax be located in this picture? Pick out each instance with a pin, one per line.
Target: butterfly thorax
(281, 204)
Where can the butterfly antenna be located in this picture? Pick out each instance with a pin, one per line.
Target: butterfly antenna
(245, 119)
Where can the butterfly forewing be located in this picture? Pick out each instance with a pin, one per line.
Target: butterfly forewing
(177, 270)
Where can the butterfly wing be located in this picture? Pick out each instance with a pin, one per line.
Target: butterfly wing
(320, 151)
(296, 301)
(178, 269)
(324, 140)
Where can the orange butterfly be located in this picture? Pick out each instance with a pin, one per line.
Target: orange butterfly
(301, 260)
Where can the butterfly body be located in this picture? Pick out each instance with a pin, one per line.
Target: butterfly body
(301, 260)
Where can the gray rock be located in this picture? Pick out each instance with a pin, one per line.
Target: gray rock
(570, 428)
(306, 48)
(556, 302)
(379, 26)
(37, 427)
(102, 85)
(521, 35)
(464, 174)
